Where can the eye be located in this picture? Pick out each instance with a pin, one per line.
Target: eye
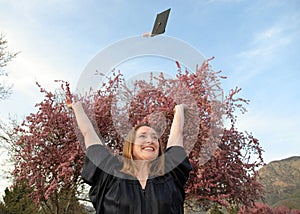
(155, 137)
(142, 136)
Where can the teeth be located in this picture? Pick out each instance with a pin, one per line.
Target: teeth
(148, 148)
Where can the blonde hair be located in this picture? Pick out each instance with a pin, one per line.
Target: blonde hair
(129, 165)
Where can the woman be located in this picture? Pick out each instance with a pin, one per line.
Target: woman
(147, 181)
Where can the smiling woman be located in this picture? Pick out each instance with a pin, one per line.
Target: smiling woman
(145, 144)
(147, 180)
(140, 150)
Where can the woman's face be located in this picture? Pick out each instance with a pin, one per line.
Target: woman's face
(145, 145)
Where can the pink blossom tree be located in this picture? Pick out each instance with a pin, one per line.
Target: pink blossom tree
(50, 156)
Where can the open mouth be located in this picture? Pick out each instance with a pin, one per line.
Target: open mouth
(148, 148)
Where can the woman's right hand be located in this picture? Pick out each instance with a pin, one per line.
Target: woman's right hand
(69, 103)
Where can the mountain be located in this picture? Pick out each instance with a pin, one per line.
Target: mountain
(281, 180)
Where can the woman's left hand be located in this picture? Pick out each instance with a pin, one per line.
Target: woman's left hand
(183, 108)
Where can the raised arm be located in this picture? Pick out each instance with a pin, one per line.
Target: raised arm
(176, 133)
(85, 125)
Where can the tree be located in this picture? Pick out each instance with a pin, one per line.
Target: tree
(3, 209)
(16, 200)
(260, 208)
(48, 153)
(224, 160)
(5, 57)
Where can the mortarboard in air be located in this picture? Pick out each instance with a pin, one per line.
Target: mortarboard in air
(160, 22)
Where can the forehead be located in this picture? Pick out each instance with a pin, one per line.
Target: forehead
(145, 129)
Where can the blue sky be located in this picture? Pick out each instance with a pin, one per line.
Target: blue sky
(255, 43)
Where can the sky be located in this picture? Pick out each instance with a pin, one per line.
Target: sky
(256, 44)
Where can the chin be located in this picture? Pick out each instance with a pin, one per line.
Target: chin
(151, 158)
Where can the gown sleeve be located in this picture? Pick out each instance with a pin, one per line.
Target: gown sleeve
(99, 165)
(98, 171)
(178, 165)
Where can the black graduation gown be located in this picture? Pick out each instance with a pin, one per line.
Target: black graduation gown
(113, 192)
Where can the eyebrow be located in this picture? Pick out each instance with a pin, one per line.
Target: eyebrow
(152, 133)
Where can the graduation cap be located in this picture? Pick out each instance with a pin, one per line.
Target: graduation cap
(160, 22)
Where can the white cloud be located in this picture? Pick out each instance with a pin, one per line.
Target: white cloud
(278, 134)
(266, 47)
(45, 55)
(268, 34)
(224, 1)
(267, 43)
